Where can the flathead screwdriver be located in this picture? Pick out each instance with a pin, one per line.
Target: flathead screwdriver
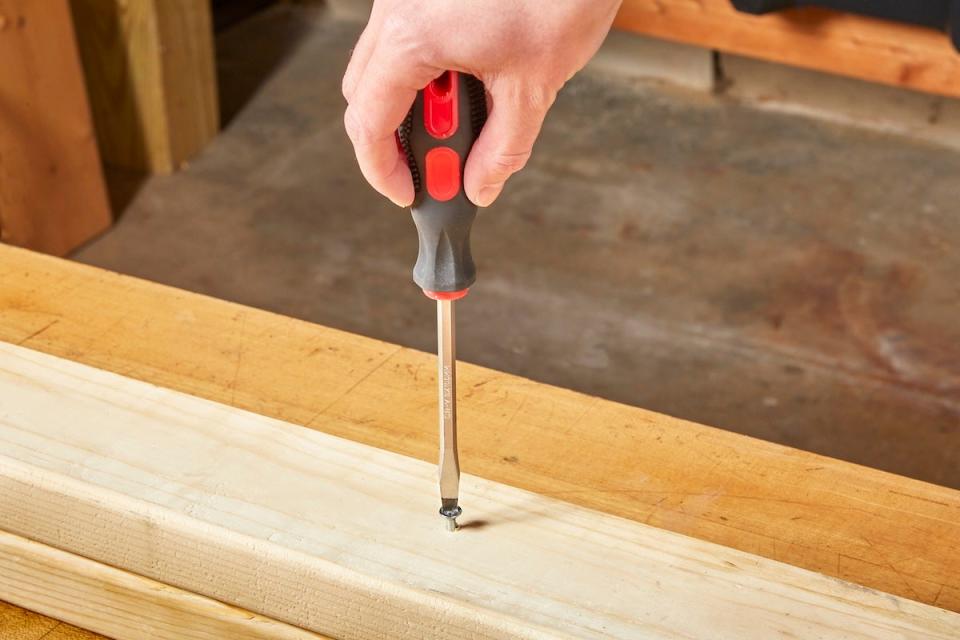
(437, 137)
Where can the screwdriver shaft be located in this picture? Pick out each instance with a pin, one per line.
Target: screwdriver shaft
(447, 376)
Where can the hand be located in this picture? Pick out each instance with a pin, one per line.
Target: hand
(522, 50)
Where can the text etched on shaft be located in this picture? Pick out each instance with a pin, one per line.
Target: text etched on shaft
(447, 390)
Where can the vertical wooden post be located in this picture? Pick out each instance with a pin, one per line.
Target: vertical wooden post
(52, 195)
(151, 76)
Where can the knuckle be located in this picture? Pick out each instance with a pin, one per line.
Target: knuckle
(401, 34)
(357, 128)
(540, 99)
(507, 163)
(395, 26)
(409, 44)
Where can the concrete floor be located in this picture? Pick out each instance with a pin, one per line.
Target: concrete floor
(794, 281)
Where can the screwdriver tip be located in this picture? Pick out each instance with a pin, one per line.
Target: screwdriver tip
(450, 518)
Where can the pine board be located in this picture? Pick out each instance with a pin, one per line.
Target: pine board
(114, 602)
(342, 539)
(876, 529)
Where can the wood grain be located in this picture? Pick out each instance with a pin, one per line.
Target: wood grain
(847, 44)
(21, 624)
(150, 71)
(344, 539)
(52, 194)
(873, 528)
(114, 602)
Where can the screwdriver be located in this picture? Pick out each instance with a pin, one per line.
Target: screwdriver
(437, 136)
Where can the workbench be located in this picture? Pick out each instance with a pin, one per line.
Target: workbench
(841, 520)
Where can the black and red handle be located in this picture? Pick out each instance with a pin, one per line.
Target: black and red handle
(437, 137)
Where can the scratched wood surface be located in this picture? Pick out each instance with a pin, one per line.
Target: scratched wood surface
(858, 46)
(343, 539)
(869, 527)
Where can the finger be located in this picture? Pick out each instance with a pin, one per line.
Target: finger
(359, 58)
(506, 142)
(379, 104)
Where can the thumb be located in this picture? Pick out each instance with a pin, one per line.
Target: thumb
(506, 142)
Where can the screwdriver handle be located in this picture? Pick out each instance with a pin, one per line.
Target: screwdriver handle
(437, 137)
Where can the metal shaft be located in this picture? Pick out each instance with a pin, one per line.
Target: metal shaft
(447, 375)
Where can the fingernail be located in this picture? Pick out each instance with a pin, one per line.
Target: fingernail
(402, 205)
(488, 194)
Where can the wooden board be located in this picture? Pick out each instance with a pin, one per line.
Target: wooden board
(873, 528)
(344, 539)
(150, 72)
(847, 44)
(117, 603)
(52, 194)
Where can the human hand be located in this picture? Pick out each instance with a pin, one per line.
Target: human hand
(522, 50)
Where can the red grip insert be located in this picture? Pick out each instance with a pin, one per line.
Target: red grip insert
(440, 112)
(443, 173)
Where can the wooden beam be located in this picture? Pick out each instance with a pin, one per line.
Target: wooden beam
(873, 528)
(150, 72)
(847, 44)
(120, 604)
(52, 194)
(344, 539)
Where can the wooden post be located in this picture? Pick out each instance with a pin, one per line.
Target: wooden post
(150, 72)
(52, 195)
